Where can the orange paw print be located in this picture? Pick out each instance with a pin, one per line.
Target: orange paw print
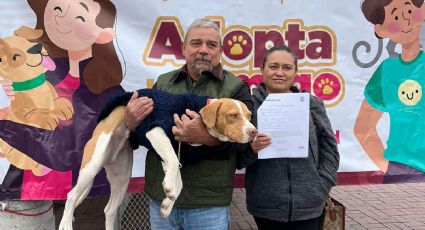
(327, 86)
(236, 43)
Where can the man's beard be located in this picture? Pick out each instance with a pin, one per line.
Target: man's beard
(203, 67)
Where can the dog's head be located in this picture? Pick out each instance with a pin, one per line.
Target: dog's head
(20, 59)
(228, 120)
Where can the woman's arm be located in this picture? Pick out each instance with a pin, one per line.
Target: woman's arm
(367, 135)
(327, 146)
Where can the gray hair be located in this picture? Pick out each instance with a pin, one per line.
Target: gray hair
(203, 23)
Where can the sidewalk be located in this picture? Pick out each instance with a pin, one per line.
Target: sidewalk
(393, 206)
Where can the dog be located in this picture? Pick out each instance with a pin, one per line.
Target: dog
(36, 101)
(24, 63)
(109, 147)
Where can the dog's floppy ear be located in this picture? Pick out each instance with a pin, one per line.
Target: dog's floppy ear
(3, 46)
(28, 33)
(209, 113)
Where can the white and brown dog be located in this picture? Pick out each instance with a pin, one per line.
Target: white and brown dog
(109, 147)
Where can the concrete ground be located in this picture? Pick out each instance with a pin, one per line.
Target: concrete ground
(393, 206)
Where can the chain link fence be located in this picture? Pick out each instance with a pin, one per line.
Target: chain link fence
(134, 213)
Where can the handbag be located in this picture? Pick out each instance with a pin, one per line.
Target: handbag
(333, 217)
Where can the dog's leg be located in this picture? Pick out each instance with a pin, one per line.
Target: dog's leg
(118, 174)
(102, 148)
(84, 183)
(172, 183)
(167, 204)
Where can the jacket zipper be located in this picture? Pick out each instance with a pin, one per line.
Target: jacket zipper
(193, 86)
(288, 169)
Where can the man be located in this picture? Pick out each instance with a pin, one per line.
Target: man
(207, 183)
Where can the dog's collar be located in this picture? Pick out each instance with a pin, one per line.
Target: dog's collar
(30, 84)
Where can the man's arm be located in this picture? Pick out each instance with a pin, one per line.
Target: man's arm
(212, 147)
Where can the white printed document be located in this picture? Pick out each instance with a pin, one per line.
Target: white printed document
(285, 118)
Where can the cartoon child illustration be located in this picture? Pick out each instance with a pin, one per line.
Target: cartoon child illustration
(79, 37)
(396, 88)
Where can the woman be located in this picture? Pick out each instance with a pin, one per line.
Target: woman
(78, 35)
(290, 193)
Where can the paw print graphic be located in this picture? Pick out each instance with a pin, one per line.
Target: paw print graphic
(236, 43)
(327, 86)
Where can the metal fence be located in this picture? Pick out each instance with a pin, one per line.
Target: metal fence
(134, 213)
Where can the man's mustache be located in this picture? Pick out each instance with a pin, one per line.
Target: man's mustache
(203, 58)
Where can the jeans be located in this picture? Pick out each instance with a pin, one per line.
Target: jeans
(212, 218)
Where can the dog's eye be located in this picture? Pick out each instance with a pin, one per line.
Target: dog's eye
(234, 115)
(57, 8)
(15, 56)
(81, 18)
(1, 60)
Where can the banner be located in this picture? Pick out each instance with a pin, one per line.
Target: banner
(90, 50)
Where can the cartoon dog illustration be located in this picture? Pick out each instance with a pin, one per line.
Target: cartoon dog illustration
(226, 119)
(24, 63)
(36, 101)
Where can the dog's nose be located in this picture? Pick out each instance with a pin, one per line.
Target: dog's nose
(36, 49)
(252, 134)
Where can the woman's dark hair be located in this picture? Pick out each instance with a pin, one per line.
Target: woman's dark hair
(104, 70)
(279, 48)
(374, 11)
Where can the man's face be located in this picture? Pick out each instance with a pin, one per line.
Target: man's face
(202, 50)
(403, 22)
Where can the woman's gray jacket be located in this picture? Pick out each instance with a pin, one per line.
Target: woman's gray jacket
(291, 189)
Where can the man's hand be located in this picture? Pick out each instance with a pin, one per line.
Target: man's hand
(138, 108)
(190, 128)
(260, 142)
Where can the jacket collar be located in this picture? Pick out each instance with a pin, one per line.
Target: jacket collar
(217, 73)
(260, 93)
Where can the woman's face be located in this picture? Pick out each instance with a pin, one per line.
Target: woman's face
(279, 72)
(71, 24)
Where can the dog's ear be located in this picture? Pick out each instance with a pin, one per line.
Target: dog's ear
(28, 33)
(3, 47)
(209, 113)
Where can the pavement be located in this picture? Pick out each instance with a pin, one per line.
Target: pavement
(391, 206)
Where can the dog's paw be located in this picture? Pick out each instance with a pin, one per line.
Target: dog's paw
(66, 224)
(42, 118)
(63, 109)
(166, 207)
(169, 189)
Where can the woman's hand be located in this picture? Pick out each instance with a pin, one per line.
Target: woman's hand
(8, 89)
(138, 108)
(260, 142)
